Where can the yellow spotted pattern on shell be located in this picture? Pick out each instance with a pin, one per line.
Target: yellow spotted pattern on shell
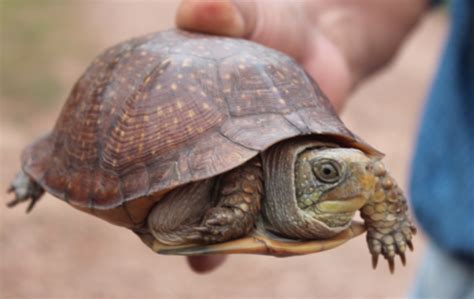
(169, 108)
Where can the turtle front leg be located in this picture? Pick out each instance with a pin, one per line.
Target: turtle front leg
(389, 229)
(25, 189)
(195, 213)
(238, 205)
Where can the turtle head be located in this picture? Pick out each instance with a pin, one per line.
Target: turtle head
(331, 184)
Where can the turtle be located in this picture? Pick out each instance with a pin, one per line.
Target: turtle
(206, 144)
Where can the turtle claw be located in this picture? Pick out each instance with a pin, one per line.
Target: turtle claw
(410, 245)
(194, 237)
(208, 234)
(219, 225)
(10, 189)
(375, 260)
(214, 221)
(33, 202)
(25, 189)
(17, 200)
(388, 244)
(391, 264)
(212, 234)
(13, 202)
(403, 258)
(202, 229)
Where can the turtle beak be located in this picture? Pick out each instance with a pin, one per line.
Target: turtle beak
(344, 205)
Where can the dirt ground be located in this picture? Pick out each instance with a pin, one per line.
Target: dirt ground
(59, 252)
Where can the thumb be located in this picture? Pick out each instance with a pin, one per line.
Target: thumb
(282, 25)
(263, 22)
(215, 17)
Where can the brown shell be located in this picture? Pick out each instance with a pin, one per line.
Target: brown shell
(173, 107)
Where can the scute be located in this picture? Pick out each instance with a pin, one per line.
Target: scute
(169, 108)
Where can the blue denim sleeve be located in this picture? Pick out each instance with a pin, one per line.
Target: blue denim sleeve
(442, 182)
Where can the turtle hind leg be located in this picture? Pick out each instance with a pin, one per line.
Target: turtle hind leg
(239, 195)
(25, 189)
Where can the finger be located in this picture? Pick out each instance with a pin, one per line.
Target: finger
(259, 21)
(216, 17)
(205, 264)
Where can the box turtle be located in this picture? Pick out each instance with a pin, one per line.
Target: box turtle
(202, 144)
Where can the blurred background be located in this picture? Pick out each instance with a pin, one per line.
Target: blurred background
(59, 252)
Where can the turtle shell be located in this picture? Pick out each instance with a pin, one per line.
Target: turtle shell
(169, 108)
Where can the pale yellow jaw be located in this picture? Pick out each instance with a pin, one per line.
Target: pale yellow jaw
(342, 206)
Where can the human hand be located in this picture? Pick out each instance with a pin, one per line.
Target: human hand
(338, 42)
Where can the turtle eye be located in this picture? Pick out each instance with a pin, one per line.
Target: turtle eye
(327, 171)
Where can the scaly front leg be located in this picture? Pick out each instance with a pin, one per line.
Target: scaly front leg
(188, 215)
(389, 229)
(239, 196)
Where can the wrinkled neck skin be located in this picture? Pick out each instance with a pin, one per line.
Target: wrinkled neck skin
(298, 205)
